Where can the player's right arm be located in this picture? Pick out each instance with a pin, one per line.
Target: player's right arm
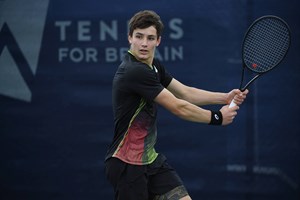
(191, 112)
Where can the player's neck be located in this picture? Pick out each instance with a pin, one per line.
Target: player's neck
(148, 62)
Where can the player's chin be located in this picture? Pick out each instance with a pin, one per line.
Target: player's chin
(143, 57)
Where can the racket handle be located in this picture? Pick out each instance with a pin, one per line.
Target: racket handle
(232, 104)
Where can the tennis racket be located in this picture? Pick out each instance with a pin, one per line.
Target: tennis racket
(265, 45)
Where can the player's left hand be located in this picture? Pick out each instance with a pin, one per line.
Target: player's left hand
(237, 95)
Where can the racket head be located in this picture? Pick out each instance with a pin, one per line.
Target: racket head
(265, 44)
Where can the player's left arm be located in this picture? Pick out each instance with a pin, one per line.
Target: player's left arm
(203, 97)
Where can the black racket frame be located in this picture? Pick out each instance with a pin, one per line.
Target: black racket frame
(258, 74)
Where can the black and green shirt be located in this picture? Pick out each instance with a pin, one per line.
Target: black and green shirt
(135, 85)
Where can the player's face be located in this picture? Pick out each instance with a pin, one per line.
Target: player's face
(143, 43)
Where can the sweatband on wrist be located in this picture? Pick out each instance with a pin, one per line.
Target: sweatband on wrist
(216, 118)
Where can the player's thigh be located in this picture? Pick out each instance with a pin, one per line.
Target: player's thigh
(186, 198)
(175, 194)
(164, 180)
(132, 187)
(129, 181)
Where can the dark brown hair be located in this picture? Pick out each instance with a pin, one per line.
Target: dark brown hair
(145, 19)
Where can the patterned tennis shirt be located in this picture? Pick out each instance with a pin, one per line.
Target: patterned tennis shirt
(135, 85)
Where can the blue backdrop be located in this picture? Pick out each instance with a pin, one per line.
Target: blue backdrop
(57, 61)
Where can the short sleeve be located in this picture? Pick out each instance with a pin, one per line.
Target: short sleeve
(165, 77)
(144, 81)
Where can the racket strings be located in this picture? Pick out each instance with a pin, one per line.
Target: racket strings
(266, 44)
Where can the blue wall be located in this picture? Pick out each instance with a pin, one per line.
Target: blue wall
(57, 60)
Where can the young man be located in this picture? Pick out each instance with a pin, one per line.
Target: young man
(134, 168)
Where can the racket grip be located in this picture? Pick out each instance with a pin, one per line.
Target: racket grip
(232, 104)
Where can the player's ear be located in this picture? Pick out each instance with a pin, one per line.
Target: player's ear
(158, 41)
(129, 39)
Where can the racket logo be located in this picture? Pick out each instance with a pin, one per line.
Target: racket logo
(254, 65)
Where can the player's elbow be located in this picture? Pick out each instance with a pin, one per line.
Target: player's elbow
(179, 109)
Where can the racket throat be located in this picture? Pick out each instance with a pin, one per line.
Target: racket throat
(251, 81)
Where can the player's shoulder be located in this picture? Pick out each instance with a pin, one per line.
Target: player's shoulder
(132, 67)
(158, 65)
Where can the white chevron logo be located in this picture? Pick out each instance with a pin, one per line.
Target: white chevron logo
(21, 30)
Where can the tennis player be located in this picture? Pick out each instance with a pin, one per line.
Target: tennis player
(133, 167)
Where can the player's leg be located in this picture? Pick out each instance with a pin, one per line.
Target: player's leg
(164, 182)
(129, 181)
(186, 198)
(175, 194)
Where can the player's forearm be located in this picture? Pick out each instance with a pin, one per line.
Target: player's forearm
(196, 96)
(204, 97)
(191, 112)
(182, 108)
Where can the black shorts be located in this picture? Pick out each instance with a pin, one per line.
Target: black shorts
(141, 182)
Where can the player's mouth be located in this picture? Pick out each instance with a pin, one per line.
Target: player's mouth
(144, 51)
